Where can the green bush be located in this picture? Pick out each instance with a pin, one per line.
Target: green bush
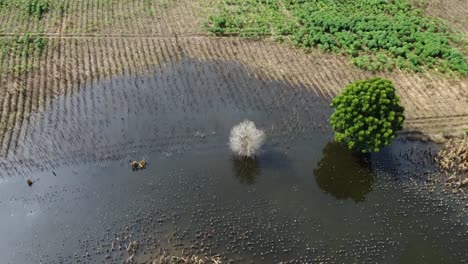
(36, 8)
(377, 35)
(367, 115)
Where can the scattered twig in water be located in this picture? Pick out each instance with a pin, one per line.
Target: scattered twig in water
(192, 259)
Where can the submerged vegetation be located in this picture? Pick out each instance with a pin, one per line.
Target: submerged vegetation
(374, 34)
(367, 115)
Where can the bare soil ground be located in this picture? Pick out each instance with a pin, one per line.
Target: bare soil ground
(453, 11)
(92, 40)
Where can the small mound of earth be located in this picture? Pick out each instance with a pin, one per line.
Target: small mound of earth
(453, 159)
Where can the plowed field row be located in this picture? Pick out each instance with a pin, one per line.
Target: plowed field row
(110, 17)
(453, 11)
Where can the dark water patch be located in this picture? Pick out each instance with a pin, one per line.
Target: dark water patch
(196, 203)
(183, 107)
(344, 174)
(303, 200)
(246, 170)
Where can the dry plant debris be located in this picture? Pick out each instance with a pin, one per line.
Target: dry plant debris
(138, 165)
(453, 158)
(29, 182)
(193, 259)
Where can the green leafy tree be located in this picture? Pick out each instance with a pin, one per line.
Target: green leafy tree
(367, 115)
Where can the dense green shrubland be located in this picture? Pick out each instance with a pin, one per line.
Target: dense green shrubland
(375, 34)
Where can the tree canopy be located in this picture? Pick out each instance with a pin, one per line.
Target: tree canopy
(367, 115)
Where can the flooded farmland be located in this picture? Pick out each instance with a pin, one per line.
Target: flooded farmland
(305, 199)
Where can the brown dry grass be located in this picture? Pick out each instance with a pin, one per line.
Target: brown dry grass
(454, 156)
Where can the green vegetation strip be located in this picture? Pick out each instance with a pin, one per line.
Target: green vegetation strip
(23, 46)
(33, 8)
(375, 34)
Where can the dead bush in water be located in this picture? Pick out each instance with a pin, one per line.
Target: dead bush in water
(454, 156)
(245, 139)
(193, 259)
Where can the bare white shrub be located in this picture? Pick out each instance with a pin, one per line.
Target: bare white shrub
(245, 139)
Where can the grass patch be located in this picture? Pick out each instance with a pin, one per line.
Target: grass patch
(32, 8)
(21, 46)
(375, 34)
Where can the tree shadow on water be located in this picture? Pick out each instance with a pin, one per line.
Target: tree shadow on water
(246, 170)
(344, 174)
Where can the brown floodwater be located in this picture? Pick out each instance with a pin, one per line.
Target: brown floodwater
(305, 199)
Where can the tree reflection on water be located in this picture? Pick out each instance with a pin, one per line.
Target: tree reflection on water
(246, 170)
(344, 174)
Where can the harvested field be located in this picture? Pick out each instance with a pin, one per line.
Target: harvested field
(131, 80)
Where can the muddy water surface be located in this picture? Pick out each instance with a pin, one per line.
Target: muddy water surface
(304, 200)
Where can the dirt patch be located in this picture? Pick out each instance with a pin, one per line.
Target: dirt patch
(453, 11)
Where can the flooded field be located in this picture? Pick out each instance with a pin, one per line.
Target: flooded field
(305, 199)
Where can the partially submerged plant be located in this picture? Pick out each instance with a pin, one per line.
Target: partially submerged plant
(245, 139)
(138, 165)
(142, 164)
(134, 165)
(191, 259)
(29, 182)
(454, 156)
